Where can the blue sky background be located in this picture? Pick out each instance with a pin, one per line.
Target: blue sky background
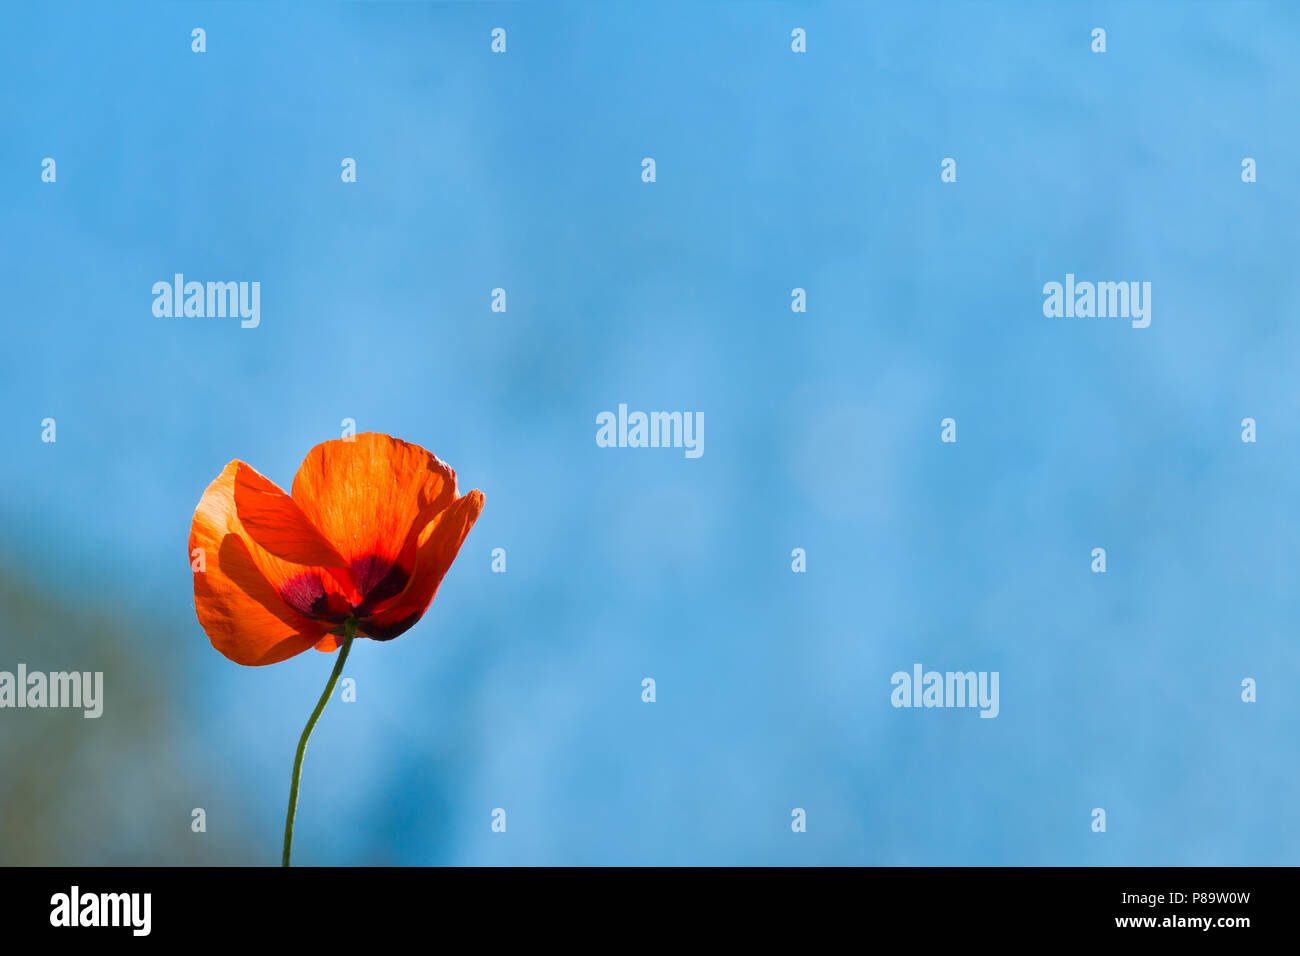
(775, 170)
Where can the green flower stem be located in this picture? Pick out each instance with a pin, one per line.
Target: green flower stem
(349, 632)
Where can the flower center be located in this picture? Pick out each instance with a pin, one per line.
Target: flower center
(378, 579)
(305, 593)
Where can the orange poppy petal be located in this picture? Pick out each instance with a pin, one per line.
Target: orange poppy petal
(439, 543)
(237, 594)
(369, 497)
(274, 521)
(330, 643)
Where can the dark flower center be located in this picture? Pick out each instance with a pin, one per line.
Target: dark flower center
(377, 579)
(306, 594)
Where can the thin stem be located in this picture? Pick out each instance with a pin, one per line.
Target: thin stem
(349, 632)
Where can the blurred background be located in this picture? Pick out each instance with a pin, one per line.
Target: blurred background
(775, 170)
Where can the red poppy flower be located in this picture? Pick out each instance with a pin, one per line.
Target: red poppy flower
(367, 534)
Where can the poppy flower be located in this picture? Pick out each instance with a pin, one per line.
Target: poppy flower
(356, 549)
(366, 534)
